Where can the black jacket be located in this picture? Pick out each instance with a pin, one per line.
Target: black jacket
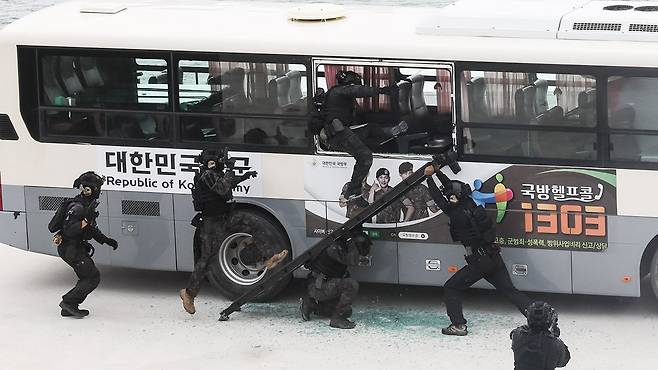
(333, 261)
(537, 350)
(469, 223)
(339, 102)
(80, 208)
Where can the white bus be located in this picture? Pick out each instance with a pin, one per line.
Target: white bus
(551, 106)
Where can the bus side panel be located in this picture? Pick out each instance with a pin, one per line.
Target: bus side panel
(14, 229)
(13, 198)
(13, 220)
(428, 264)
(383, 267)
(143, 225)
(41, 204)
(539, 270)
(183, 213)
(607, 272)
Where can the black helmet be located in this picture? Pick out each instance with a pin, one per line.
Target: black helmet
(210, 155)
(90, 180)
(361, 241)
(460, 189)
(348, 77)
(540, 315)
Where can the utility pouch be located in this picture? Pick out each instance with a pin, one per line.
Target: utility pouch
(57, 239)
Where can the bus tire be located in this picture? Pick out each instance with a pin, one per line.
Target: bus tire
(653, 275)
(228, 273)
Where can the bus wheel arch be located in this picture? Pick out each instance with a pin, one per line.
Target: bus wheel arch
(227, 272)
(649, 264)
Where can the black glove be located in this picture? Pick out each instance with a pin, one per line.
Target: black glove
(112, 243)
(388, 90)
(555, 330)
(248, 175)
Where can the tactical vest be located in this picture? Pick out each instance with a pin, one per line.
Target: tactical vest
(480, 231)
(328, 266)
(207, 201)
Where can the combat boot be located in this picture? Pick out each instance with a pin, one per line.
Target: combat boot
(188, 301)
(307, 306)
(459, 329)
(400, 128)
(341, 323)
(72, 310)
(276, 259)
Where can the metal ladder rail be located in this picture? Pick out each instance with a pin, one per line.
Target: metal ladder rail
(311, 253)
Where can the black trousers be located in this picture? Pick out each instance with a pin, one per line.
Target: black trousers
(76, 255)
(212, 234)
(491, 268)
(334, 295)
(348, 141)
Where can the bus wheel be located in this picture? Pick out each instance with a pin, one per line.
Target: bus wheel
(654, 273)
(228, 273)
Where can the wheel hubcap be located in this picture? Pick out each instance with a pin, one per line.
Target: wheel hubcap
(232, 266)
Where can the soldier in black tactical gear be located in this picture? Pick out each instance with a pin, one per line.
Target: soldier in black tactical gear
(212, 195)
(470, 225)
(339, 114)
(74, 224)
(331, 290)
(537, 346)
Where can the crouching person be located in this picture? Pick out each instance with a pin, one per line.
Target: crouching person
(331, 290)
(537, 346)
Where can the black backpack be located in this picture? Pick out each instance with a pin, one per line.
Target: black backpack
(57, 222)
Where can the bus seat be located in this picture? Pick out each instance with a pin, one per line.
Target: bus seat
(623, 117)
(404, 96)
(295, 91)
(282, 89)
(541, 92)
(52, 89)
(587, 107)
(418, 105)
(69, 76)
(477, 106)
(257, 83)
(524, 100)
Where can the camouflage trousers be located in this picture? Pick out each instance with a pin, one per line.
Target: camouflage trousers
(333, 295)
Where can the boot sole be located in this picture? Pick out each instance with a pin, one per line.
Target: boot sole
(70, 312)
(180, 294)
(454, 334)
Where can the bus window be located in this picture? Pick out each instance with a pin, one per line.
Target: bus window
(138, 126)
(240, 130)
(114, 82)
(544, 106)
(242, 87)
(633, 106)
(423, 100)
(67, 123)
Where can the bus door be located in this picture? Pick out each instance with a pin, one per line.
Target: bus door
(403, 233)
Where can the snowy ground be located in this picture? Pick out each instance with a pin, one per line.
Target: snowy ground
(137, 322)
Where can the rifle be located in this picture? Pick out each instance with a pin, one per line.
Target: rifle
(400, 189)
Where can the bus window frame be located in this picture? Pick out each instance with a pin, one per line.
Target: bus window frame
(600, 129)
(172, 58)
(177, 56)
(411, 63)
